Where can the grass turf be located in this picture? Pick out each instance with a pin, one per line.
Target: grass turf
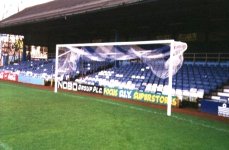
(36, 119)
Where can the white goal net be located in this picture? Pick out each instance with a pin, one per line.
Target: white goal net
(124, 62)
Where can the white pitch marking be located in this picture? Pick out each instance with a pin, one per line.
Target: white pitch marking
(4, 146)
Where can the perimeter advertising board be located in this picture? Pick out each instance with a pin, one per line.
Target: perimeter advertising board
(9, 76)
(215, 107)
(140, 96)
(74, 86)
(223, 110)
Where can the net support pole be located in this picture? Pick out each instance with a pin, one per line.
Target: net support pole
(170, 87)
(56, 69)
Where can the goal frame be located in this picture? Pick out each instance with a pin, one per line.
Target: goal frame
(170, 70)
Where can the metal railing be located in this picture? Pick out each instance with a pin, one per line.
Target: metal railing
(206, 57)
(51, 55)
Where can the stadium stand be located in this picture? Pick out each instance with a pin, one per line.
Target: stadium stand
(194, 81)
(40, 69)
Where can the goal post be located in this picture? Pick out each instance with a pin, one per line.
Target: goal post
(169, 103)
(56, 68)
(163, 57)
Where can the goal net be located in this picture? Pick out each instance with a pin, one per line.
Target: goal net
(130, 65)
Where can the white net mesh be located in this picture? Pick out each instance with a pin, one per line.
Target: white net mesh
(157, 57)
(68, 61)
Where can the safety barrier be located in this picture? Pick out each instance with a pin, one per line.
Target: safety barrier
(31, 80)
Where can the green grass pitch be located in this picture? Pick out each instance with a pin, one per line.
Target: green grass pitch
(33, 119)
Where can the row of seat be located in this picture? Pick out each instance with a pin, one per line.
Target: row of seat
(192, 80)
(221, 95)
(37, 68)
(46, 68)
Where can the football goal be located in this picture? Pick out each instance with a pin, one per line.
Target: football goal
(135, 66)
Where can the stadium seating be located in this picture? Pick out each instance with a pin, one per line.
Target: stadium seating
(221, 94)
(46, 69)
(39, 68)
(194, 80)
